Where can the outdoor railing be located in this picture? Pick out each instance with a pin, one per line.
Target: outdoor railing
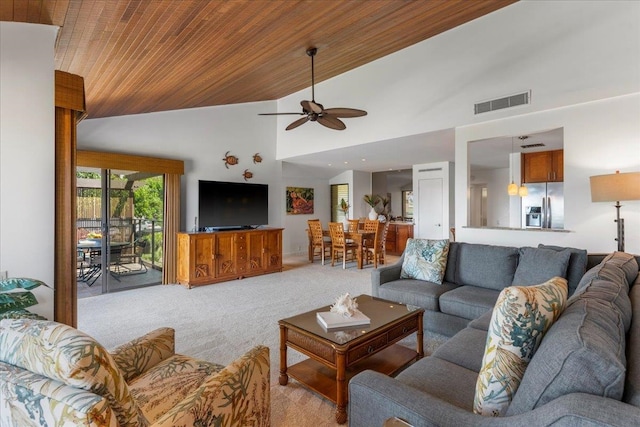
(129, 230)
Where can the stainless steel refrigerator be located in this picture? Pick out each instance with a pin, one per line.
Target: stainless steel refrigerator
(543, 207)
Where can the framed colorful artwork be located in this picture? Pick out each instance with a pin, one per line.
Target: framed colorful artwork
(299, 201)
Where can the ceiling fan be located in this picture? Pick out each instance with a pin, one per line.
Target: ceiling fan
(314, 112)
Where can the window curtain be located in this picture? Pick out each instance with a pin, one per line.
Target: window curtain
(171, 226)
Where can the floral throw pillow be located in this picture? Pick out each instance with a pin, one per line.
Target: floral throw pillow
(425, 260)
(519, 320)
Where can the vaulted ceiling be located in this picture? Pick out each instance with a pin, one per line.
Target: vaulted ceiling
(140, 56)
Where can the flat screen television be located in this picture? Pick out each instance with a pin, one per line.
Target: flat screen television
(232, 205)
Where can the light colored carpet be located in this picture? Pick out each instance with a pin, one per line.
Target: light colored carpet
(220, 322)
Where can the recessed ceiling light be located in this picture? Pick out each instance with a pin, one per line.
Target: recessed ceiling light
(346, 163)
(329, 164)
(364, 160)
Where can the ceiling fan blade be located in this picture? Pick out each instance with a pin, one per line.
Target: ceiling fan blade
(297, 123)
(345, 112)
(331, 122)
(278, 114)
(311, 106)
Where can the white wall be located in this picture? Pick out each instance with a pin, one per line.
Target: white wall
(498, 199)
(27, 138)
(294, 239)
(599, 137)
(361, 186)
(564, 52)
(201, 137)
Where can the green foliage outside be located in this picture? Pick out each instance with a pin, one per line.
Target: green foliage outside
(148, 199)
(148, 202)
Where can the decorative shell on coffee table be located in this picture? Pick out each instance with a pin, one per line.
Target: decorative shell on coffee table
(345, 305)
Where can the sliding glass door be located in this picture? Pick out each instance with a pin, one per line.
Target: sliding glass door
(119, 230)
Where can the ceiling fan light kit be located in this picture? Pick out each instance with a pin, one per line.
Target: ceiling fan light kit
(315, 112)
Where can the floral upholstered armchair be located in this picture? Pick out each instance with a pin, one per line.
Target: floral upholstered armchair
(53, 374)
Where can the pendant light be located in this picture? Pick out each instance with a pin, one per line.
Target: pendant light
(523, 191)
(512, 189)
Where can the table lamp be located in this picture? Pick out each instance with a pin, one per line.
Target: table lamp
(614, 188)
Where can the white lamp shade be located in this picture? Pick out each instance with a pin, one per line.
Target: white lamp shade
(523, 191)
(615, 187)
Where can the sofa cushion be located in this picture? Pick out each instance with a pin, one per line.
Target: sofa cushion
(468, 302)
(425, 259)
(519, 320)
(626, 262)
(452, 262)
(577, 265)
(583, 352)
(482, 322)
(536, 265)
(632, 382)
(443, 379)
(80, 361)
(486, 266)
(415, 292)
(465, 348)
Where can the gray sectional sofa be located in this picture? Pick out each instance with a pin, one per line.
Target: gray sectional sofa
(474, 276)
(586, 371)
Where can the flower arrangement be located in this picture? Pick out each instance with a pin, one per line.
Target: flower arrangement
(386, 206)
(371, 199)
(344, 206)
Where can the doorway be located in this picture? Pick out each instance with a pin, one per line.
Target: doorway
(430, 194)
(339, 193)
(119, 230)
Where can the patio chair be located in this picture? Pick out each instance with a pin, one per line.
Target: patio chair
(133, 255)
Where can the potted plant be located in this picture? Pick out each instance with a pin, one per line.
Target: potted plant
(13, 303)
(344, 207)
(386, 206)
(372, 200)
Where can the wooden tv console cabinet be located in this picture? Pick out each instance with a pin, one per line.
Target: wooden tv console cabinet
(205, 258)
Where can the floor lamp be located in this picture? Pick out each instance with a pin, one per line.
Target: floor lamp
(614, 188)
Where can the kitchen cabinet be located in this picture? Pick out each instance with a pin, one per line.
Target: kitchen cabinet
(543, 166)
(397, 236)
(205, 258)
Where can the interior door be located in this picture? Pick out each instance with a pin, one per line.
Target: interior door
(430, 203)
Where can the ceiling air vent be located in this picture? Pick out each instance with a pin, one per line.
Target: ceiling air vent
(500, 103)
(539, 144)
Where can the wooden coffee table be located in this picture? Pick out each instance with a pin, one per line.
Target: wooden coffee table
(337, 355)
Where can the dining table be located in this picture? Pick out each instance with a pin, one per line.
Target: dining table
(92, 250)
(359, 237)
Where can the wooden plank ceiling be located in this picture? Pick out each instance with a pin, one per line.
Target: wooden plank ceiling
(140, 56)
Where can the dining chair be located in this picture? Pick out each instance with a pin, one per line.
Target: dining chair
(353, 225)
(376, 250)
(339, 244)
(318, 240)
(370, 226)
